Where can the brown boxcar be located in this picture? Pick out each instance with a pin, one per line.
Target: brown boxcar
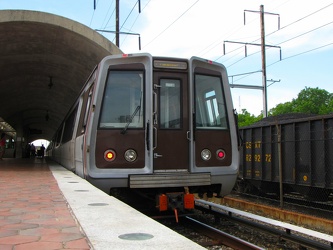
(298, 146)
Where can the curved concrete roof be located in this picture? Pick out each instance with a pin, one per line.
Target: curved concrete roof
(44, 61)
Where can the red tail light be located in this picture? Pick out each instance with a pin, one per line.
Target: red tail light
(220, 154)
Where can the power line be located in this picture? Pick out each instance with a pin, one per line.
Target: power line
(286, 27)
(137, 16)
(285, 42)
(282, 43)
(128, 15)
(305, 33)
(283, 59)
(218, 41)
(111, 4)
(92, 17)
(302, 53)
(301, 19)
(172, 23)
(232, 56)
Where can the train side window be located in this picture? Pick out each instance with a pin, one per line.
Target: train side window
(123, 100)
(210, 103)
(69, 126)
(86, 113)
(59, 135)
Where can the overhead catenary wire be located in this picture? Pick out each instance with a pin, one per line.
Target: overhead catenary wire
(171, 24)
(92, 17)
(218, 41)
(111, 5)
(106, 15)
(284, 59)
(245, 75)
(305, 33)
(128, 15)
(302, 53)
(297, 36)
(300, 19)
(135, 20)
(229, 58)
(234, 30)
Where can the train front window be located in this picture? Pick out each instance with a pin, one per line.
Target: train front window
(123, 100)
(210, 111)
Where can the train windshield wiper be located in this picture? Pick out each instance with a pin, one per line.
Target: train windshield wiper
(130, 120)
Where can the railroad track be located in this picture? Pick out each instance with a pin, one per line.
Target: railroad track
(308, 215)
(202, 233)
(301, 236)
(219, 237)
(325, 207)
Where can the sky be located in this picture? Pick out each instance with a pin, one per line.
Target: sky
(209, 28)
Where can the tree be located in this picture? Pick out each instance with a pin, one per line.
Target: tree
(282, 108)
(313, 101)
(246, 119)
(309, 101)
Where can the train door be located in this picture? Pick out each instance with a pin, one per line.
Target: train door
(171, 124)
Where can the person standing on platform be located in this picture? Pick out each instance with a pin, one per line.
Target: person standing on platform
(2, 145)
(42, 150)
(32, 150)
(27, 150)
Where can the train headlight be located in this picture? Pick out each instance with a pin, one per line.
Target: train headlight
(109, 155)
(220, 154)
(130, 155)
(206, 154)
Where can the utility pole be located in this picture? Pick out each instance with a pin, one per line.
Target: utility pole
(263, 60)
(117, 32)
(117, 23)
(263, 56)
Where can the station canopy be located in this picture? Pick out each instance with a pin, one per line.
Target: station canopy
(45, 60)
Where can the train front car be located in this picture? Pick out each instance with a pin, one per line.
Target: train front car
(164, 125)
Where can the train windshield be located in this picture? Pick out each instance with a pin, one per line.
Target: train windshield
(210, 110)
(122, 101)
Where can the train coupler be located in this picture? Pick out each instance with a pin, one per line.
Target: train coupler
(171, 201)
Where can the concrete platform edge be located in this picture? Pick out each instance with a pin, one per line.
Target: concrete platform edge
(103, 218)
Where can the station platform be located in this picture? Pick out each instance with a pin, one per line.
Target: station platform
(44, 206)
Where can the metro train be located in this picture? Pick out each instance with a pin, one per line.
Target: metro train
(154, 124)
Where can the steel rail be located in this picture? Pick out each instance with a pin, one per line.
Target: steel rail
(219, 211)
(219, 236)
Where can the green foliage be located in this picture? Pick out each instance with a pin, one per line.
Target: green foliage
(246, 119)
(309, 101)
(282, 108)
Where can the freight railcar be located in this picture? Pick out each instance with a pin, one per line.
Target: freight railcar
(154, 124)
(294, 150)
